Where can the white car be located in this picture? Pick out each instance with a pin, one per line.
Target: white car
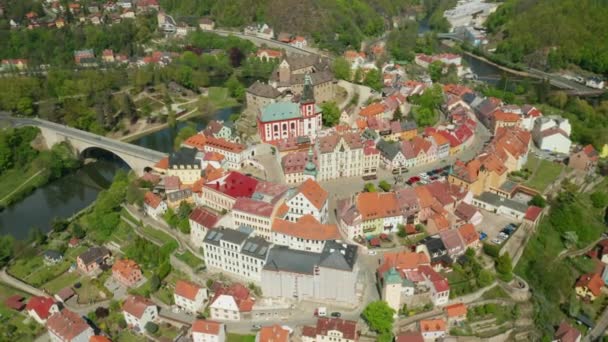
(497, 241)
(372, 253)
(503, 236)
(423, 175)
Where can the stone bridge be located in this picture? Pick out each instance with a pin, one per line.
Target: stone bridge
(136, 157)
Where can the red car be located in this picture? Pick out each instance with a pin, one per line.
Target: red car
(414, 179)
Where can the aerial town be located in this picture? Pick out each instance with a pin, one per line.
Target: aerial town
(344, 197)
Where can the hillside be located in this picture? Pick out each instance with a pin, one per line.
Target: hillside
(554, 34)
(333, 24)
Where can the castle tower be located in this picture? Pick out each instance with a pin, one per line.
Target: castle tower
(310, 169)
(391, 289)
(284, 73)
(307, 99)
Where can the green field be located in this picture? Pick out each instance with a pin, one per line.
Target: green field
(220, 98)
(240, 338)
(16, 179)
(65, 280)
(156, 235)
(190, 259)
(546, 172)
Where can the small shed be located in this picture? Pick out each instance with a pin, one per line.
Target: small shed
(15, 302)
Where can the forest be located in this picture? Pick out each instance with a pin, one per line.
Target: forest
(553, 34)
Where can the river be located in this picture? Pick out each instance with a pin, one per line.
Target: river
(70, 194)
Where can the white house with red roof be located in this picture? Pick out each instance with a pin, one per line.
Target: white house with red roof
(68, 326)
(41, 308)
(308, 199)
(552, 134)
(231, 303)
(306, 234)
(201, 221)
(440, 289)
(154, 206)
(208, 331)
(222, 193)
(138, 311)
(331, 329)
(255, 214)
(189, 296)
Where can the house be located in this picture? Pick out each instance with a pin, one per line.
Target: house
(175, 198)
(68, 326)
(64, 294)
(41, 308)
(85, 58)
(206, 24)
(183, 164)
(500, 119)
(456, 313)
(453, 242)
(376, 109)
(469, 236)
(281, 120)
(503, 206)
(92, 259)
(306, 234)
(208, 331)
(221, 194)
(589, 286)
(52, 257)
(138, 311)
(15, 302)
(346, 155)
(467, 213)
(126, 272)
(255, 214)
(272, 333)
(189, 296)
(409, 336)
(566, 333)
(154, 206)
(269, 54)
(595, 82)
(201, 221)
(308, 199)
(236, 252)
(432, 329)
(552, 134)
(331, 329)
(584, 159)
(299, 42)
(293, 72)
(259, 94)
(303, 275)
(231, 303)
(533, 215)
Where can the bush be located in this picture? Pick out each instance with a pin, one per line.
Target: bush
(538, 201)
(385, 186)
(491, 250)
(599, 199)
(151, 327)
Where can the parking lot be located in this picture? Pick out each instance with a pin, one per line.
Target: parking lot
(492, 224)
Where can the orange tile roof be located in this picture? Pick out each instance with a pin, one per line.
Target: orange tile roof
(441, 222)
(186, 289)
(427, 325)
(282, 210)
(314, 193)
(592, 281)
(273, 333)
(307, 227)
(505, 117)
(440, 139)
(271, 53)
(468, 233)
(125, 267)
(136, 305)
(152, 199)
(372, 110)
(204, 326)
(403, 260)
(424, 196)
(198, 185)
(212, 173)
(99, 338)
(163, 163)
(456, 310)
(374, 205)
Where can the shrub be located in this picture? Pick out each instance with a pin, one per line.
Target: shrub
(151, 327)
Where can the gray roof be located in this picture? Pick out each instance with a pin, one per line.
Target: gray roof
(52, 254)
(94, 254)
(388, 149)
(369, 134)
(183, 156)
(495, 200)
(297, 62)
(407, 125)
(214, 236)
(179, 195)
(263, 90)
(335, 256)
(256, 247)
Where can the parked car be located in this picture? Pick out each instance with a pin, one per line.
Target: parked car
(503, 236)
(321, 311)
(256, 327)
(497, 241)
(372, 253)
(482, 236)
(336, 314)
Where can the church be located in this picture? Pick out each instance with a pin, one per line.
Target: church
(281, 120)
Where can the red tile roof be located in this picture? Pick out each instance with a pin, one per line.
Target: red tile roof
(428, 325)
(566, 333)
(204, 217)
(186, 289)
(67, 324)
(273, 333)
(314, 193)
(234, 185)
(40, 305)
(456, 310)
(324, 324)
(533, 212)
(240, 294)
(125, 267)
(163, 163)
(410, 336)
(204, 326)
(254, 207)
(403, 261)
(373, 205)
(152, 199)
(372, 110)
(592, 281)
(307, 227)
(136, 305)
(468, 234)
(15, 302)
(99, 338)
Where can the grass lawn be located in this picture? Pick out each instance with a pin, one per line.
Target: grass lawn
(168, 331)
(157, 235)
(545, 174)
(220, 98)
(124, 213)
(122, 234)
(190, 259)
(27, 329)
(128, 336)
(65, 280)
(90, 291)
(35, 272)
(240, 338)
(533, 162)
(13, 179)
(165, 295)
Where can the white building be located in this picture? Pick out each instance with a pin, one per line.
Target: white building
(552, 134)
(208, 331)
(67, 326)
(201, 221)
(306, 234)
(345, 155)
(254, 214)
(503, 206)
(231, 303)
(595, 82)
(329, 275)
(183, 164)
(308, 199)
(41, 308)
(189, 296)
(138, 311)
(236, 253)
(154, 206)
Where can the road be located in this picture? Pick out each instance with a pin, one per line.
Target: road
(600, 328)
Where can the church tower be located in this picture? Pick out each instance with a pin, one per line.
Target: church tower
(284, 73)
(310, 169)
(307, 99)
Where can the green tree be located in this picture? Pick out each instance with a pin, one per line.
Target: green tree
(134, 194)
(373, 79)
(599, 199)
(379, 317)
(384, 185)
(236, 88)
(59, 224)
(151, 327)
(77, 231)
(154, 283)
(331, 114)
(183, 134)
(341, 68)
(558, 99)
(6, 249)
(538, 200)
(436, 70)
(504, 267)
(358, 76)
(36, 236)
(369, 187)
(425, 117)
(397, 114)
